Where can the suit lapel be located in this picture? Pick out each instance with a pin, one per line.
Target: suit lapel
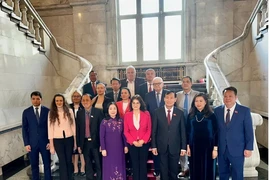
(222, 115)
(234, 116)
(163, 114)
(34, 115)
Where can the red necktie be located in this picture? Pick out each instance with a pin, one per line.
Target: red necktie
(169, 116)
(87, 125)
(94, 88)
(150, 88)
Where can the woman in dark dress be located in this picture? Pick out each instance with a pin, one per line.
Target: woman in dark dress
(202, 139)
(113, 145)
(76, 106)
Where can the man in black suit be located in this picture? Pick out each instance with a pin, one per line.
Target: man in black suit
(88, 122)
(154, 100)
(90, 88)
(169, 136)
(115, 94)
(147, 87)
(132, 82)
(35, 135)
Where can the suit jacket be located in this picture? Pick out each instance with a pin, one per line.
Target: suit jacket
(238, 134)
(87, 89)
(120, 109)
(95, 121)
(104, 104)
(143, 133)
(111, 95)
(181, 98)
(72, 107)
(164, 135)
(151, 101)
(143, 90)
(35, 133)
(138, 82)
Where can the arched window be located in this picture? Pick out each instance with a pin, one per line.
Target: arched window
(150, 31)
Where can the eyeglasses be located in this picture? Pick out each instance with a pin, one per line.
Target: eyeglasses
(76, 96)
(157, 84)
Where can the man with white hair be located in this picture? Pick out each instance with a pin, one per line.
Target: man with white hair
(131, 81)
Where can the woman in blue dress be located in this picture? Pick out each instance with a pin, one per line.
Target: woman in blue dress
(202, 139)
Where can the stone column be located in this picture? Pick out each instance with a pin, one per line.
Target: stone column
(24, 15)
(30, 24)
(252, 162)
(17, 8)
(37, 35)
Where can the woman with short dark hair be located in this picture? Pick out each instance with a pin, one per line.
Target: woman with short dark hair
(113, 145)
(137, 130)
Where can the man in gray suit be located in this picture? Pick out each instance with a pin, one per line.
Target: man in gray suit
(183, 102)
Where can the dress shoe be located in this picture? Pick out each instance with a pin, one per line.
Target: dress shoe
(156, 173)
(183, 174)
(83, 174)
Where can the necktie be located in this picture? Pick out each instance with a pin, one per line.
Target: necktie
(87, 125)
(115, 97)
(186, 106)
(169, 116)
(228, 117)
(94, 88)
(158, 102)
(37, 114)
(150, 88)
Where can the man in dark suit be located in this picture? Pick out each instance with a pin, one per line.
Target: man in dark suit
(115, 94)
(154, 100)
(147, 87)
(236, 136)
(169, 136)
(88, 122)
(132, 82)
(35, 135)
(90, 88)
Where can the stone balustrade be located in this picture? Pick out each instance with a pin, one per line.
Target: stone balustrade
(25, 19)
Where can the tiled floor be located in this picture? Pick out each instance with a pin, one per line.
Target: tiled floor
(262, 169)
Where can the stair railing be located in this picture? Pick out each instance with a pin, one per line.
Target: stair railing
(31, 23)
(216, 80)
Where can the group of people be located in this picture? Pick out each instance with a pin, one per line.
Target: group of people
(109, 129)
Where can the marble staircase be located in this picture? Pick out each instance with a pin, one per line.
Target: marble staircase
(30, 59)
(222, 66)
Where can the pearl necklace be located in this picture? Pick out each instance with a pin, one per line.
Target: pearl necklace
(200, 119)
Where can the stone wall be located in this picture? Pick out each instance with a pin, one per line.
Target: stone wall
(210, 23)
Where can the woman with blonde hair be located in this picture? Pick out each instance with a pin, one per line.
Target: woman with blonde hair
(76, 106)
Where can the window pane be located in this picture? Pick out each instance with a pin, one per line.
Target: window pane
(150, 6)
(150, 39)
(127, 7)
(173, 37)
(172, 5)
(128, 37)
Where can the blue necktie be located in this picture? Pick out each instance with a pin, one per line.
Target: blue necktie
(158, 102)
(186, 106)
(228, 117)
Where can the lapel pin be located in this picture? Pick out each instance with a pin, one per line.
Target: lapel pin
(174, 114)
(92, 116)
(235, 112)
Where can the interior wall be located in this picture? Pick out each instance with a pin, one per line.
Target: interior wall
(210, 23)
